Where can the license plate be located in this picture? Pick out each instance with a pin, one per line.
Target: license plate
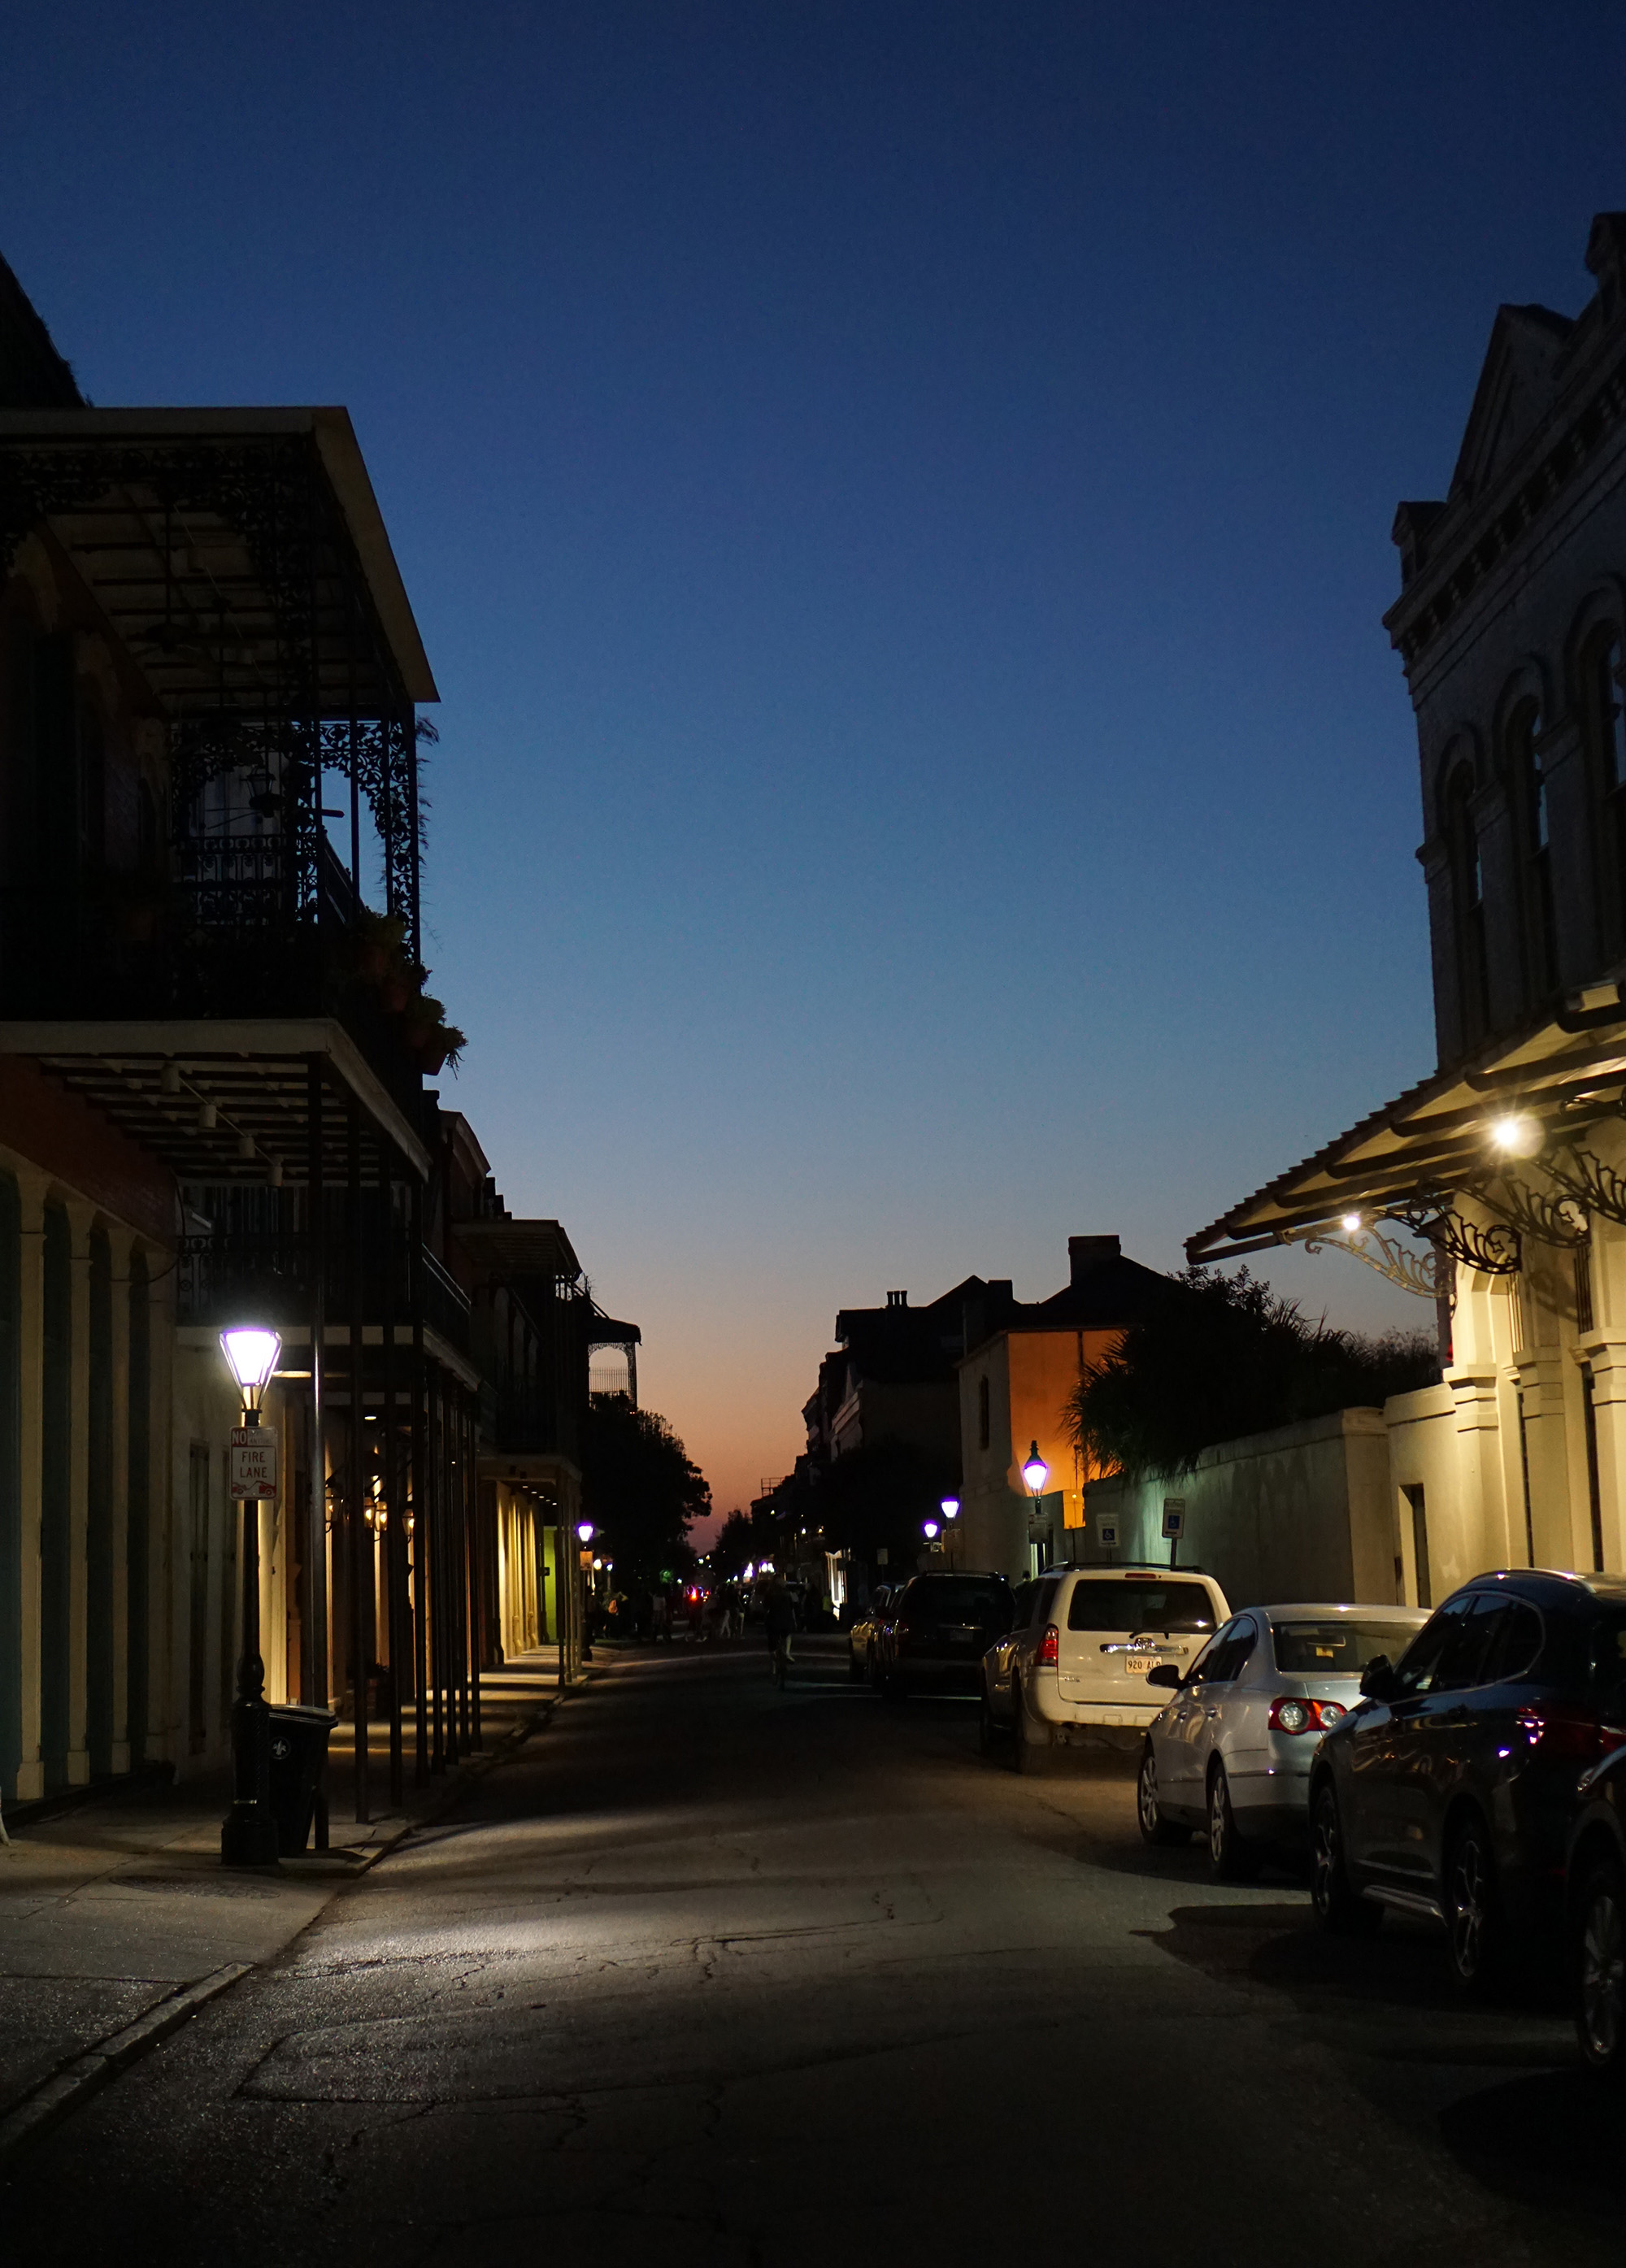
(1139, 1664)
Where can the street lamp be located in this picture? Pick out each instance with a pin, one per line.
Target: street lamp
(584, 1535)
(929, 1529)
(950, 1507)
(1035, 1472)
(248, 1833)
(1519, 1135)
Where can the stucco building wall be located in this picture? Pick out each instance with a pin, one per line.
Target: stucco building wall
(1303, 1513)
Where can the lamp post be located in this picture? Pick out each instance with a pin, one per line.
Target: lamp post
(1035, 1472)
(248, 1832)
(949, 1506)
(583, 1590)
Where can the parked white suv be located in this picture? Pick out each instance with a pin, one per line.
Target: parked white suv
(1083, 1639)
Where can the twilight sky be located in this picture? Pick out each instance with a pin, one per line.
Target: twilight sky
(897, 500)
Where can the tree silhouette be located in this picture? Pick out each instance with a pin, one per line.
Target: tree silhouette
(639, 1487)
(1222, 1356)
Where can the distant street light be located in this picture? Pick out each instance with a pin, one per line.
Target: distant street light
(249, 1833)
(950, 1507)
(930, 1528)
(1035, 1472)
(583, 1529)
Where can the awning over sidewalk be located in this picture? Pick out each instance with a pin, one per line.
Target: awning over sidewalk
(192, 528)
(220, 1099)
(1467, 1130)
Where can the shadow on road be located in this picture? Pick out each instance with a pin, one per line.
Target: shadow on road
(1550, 2139)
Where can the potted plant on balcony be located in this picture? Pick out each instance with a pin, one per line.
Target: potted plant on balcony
(432, 1041)
(377, 959)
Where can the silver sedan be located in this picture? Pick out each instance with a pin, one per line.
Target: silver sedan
(1231, 1751)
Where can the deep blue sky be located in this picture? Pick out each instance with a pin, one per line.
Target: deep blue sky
(897, 499)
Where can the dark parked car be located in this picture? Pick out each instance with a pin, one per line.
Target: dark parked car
(863, 1635)
(938, 1629)
(1449, 1789)
(1595, 1869)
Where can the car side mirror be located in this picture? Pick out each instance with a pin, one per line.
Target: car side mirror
(1377, 1679)
(1165, 1672)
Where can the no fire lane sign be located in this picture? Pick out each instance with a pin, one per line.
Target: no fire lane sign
(252, 1460)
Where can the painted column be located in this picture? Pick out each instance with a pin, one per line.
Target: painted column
(31, 1188)
(80, 1217)
(119, 1242)
(1603, 1348)
(165, 1736)
(1480, 1538)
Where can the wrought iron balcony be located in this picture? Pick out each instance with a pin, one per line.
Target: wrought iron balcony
(230, 1273)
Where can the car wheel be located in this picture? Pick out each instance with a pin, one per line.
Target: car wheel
(1475, 1940)
(1338, 1906)
(1154, 1826)
(1032, 1735)
(1230, 1857)
(1599, 1952)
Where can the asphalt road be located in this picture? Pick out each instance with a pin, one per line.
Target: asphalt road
(710, 1973)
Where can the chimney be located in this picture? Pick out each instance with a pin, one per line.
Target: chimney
(897, 1299)
(1085, 1252)
(1605, 257)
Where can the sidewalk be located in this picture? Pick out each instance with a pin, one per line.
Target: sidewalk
(111, 1911)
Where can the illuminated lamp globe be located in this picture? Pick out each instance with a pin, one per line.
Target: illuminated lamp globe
(929, 1529)
(949, 1507)
(1518, 1136)
(583, 1529)
(1352, 1224)
(1035, 1472)
(252, 1354)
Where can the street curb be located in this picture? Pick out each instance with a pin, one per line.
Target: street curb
(66, 2089)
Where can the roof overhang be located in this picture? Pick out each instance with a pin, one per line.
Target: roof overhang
(1566, 1073)
(155, 509)
(255, 1072)
(517, 1249)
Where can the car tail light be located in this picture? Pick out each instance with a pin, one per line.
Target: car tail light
(1557, 1728)
(1048, 1652)
(1290, 1714)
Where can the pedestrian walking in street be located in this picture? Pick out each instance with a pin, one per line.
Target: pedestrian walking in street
(781, 1627)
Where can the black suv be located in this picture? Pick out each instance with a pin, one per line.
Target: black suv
(1449, 1789)
(1595, 1871)
(938, 1629)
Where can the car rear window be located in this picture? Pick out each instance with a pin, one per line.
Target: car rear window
(1337, 1649)
(960, 1599)
(1151, 1605)
(1608, 1664)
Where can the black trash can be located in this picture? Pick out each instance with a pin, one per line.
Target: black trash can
(299, 1759)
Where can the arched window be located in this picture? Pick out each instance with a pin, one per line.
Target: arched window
(1468, 895)
(92, 782)
(1526, 780)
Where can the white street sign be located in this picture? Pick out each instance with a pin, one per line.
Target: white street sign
(1106, 1535)
(252, 1460)
(1174, 1518)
